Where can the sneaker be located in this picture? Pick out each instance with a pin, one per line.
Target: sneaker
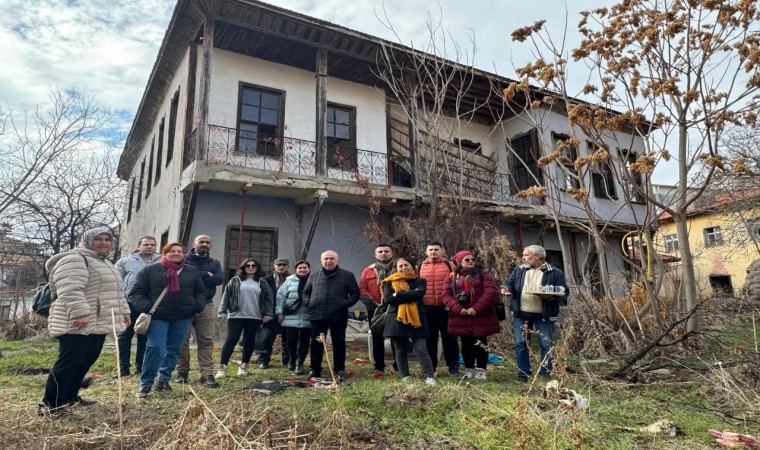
(469, 373)
(430, 381)
(181, 378)
(480, 374)
(264, 365)
(454, 371)
(314, 374)
(163, 386)
(44, 410)
(222, 372)
(143, 392)
(406, 379)
(79, 401)
(299, 370)
(209, 381)
(341, 375)
(291, 367)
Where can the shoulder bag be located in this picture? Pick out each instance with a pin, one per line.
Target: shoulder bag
(142, 324)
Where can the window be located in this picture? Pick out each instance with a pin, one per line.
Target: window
(753, 227)
(131, 200)
(469, 146)
(567, 176)
(159, 155)
(671, 243)
(524, 155)
(164, 239)
(150, 167)
(257, 243)
(341, 137)
(602, 178)
(260, 121)
(172, 127)
(632, 180)
(713, 237)
(140, 186)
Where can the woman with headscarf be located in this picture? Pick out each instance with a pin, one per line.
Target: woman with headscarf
(87, 291)
(247, 304)
(185, 296)
(470, 296)
(294, 317)
(406, 324)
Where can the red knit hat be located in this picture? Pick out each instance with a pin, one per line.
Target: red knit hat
(460, 256)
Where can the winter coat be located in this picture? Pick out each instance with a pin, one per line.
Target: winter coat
(92, 289)
(394, 328)
(287, 295)
(206, 266)
(231, 299)
(129, 265)
(328, 295)
(436, 273)
(149, 284)
(369, 285)
(483, 297)
(552, 276)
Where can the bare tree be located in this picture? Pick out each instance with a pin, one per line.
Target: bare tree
(680, 73)
(31, 141)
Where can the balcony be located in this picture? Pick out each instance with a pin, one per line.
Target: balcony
(293, 156)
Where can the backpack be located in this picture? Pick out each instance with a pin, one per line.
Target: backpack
(44, 296)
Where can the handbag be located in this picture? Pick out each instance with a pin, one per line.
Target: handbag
(377, 324)
(143, 320)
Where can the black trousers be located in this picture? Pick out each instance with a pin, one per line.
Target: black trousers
(473, 354)
(438, 323)
(76, 354)
(297, 344)
(248, 327)
(337, 330)
(378, 346)
(273, 329)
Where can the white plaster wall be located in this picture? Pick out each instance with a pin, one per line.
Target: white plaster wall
(229, 69)
(162, 209)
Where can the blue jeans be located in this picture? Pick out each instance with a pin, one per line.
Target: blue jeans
(165, 339)
(545, 330)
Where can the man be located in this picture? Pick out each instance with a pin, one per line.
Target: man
(273, 327)
(371, 297)
(128, 267)
(435, 270)
(328, 294)
(534, 311)
(204, 322)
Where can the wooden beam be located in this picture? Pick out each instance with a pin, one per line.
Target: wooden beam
(321, 197)
(205, 87)
(321, 138)
(410, 79)
(192, 67)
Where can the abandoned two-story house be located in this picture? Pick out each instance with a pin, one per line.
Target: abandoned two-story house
(264, 128)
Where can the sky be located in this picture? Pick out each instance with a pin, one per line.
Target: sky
(106, 48)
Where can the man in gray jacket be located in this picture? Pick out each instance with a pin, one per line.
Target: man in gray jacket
(128, 267)
(328, 294)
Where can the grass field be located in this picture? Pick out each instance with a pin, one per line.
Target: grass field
(365, 413)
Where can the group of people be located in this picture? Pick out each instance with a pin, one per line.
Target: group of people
(455, 300)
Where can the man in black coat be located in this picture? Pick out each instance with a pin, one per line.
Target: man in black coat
(273, 328)
(328, 294)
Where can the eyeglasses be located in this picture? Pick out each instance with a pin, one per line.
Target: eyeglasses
(250, 265)
(468, 260)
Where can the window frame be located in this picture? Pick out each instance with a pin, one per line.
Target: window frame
(333, 143)
(269, 148)
(602, 176)
(670, 243)
(713, 236)
(570, 176)
(172, 131)
(230, 250)
(160, 154)
(628, 157)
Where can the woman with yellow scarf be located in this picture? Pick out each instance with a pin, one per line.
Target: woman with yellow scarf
(406, 324)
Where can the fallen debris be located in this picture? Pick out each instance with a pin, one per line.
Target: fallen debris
(661, 427)
(728, 438)
(566, 397)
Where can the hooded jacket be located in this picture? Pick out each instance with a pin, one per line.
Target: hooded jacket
(129, 265)
(93, 290)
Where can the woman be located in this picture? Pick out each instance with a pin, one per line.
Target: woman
(247, 303)
(406, 325)
(185, 296)
(293, 315)
(87, 291)
(470, 296)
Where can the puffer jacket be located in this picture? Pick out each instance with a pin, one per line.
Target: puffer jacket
(288, 294)
(129, 265)
(149, 283)
(483, 296)
(436, 273)
(92, 289)
(329, 294)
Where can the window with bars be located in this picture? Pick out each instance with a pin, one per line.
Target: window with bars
(256, 242)
(671, 243)
(713, 236)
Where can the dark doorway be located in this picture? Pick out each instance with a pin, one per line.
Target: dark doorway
(721, 285)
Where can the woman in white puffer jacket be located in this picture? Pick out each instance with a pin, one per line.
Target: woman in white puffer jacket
(87, 289)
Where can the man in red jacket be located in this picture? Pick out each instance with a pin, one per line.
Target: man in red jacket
(371, 296)
(435, 270)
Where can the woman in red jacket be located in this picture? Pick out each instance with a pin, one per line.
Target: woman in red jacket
(470, 296)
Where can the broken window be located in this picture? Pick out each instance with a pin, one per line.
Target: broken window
(567, 176)
(713, 236)
(671, 243)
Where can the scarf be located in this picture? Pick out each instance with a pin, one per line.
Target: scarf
(279, 279)
(407, 312)
(88, 237)
(383, 270)
(170, 278)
